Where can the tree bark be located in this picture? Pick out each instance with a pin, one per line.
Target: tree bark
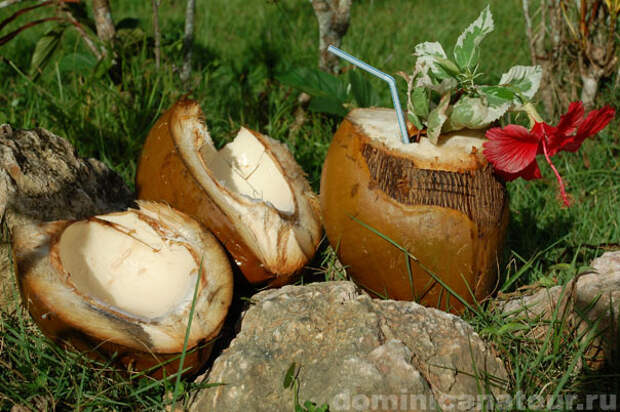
(589, 88)
(576, 50)
(188, 41)
(598, 54)
(89, 43)
(528, 29)
(103, 20)
(333, 17)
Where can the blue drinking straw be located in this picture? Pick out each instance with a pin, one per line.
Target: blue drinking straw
(384, 76)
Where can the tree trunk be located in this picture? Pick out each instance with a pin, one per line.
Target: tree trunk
(576, 49)
(103, 20)
(598, 55)
(589, 89)
(188, 41)
(333, 17)
(89, 43)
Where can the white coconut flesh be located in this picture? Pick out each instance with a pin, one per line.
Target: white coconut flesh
(128, 266)
(245, 167)
(382, 125)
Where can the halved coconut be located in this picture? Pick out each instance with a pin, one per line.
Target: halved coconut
(441, 202)
(124, 283)
(251, 193)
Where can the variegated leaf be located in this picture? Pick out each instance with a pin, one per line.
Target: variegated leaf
(523, 79)
(497, 95)
(473, 113)
(429, 54)
(436, 118)
(420, 102)
(467, 113)
(466, 50)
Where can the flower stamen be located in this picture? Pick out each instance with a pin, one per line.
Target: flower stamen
(555, 171)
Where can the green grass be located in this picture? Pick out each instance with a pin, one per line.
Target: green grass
(240, 48)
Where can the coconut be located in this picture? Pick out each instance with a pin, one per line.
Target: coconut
(442, 203)
(123, 283)
(251, 193)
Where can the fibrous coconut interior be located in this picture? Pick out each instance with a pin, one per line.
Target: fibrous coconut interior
(382, 125)
(244, 166)
(127, 265)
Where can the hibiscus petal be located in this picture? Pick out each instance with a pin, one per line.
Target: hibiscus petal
(596, 121)
(549, 134)
(512, 152)
(571, 119)
(591, 125)
(558, 137)
(531, 172)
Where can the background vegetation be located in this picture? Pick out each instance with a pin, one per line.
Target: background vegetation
(241, 48)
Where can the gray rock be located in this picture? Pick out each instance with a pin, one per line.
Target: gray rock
(354, 352)
(587, 299)
(42, 179)
(608, 264)
(8, 290)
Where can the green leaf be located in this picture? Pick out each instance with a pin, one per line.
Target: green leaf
(313, 407)
(525, 80)
(363, 92)
(511, 327)
(466, 50)
(44, 50)
(328, 105)
(437, 118)
(473, 113)
(446, 86)
(415, 120)
(429, 49)
(289, 377)
(419, 98)
(468, 113)
(315, 82)
(495, 112)
(103, 66)
(77, 63)
(497, 95)
(448, 66)
(429, 55)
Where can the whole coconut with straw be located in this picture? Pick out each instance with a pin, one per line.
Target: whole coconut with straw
(424, 216)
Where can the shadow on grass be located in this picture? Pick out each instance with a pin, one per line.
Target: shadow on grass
(599, 386)
(527, 233)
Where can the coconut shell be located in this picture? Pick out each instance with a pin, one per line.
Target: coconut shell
(442, 204)
(73, 319)
(266, 244)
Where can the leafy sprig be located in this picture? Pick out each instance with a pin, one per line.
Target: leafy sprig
(443, 93)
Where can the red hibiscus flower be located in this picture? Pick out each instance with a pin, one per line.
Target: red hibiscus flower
(513, 149)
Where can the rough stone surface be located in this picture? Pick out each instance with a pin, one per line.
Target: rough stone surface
(353, 351)
(42, 179)
(585, 300)
(8, 290)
